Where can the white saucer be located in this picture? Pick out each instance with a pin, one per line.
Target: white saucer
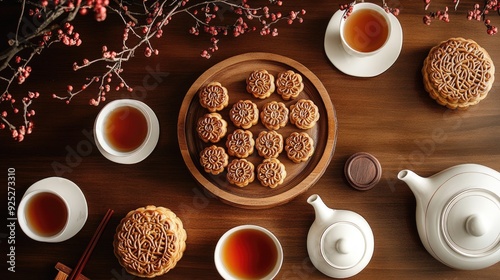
(149, 146)
(74, 197)
(369, 66)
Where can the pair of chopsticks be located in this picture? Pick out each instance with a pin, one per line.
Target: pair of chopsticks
(90, 247)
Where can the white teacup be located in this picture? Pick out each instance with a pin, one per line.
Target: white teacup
(366, 30)
(123, 127)
(52, 210)
(248, 252)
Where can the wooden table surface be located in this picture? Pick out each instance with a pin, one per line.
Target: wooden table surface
(390, 116)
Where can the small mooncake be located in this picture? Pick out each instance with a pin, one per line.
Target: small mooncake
(214, 159)
(299, 146)
(244, 114)
(271, 173)
(269, 144)
(240, 172)
(289, 84)
(304, 114)
(211, 127)
(214, 97)
(274, 115)
(260, 84)
(240, 143)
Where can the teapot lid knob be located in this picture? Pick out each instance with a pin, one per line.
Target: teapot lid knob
(476, 225)
(344, 245)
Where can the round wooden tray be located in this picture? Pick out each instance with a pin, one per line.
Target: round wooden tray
(232, 73)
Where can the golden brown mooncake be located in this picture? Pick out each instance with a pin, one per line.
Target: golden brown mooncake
(214, 97)
(214, 159)
(271, 173)
(244, 114)
(260, 84)
(289, 84)
(458, 73)
(269, 144)
(240, 143)
(211, 127)
(274, 115)
(304, 114)
(299, 146)
(240, 172)
(149, 241)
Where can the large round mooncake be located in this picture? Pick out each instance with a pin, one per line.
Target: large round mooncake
(458, 73)
(149, 241)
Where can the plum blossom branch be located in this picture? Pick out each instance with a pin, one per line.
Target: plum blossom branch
(348, 8)
(477, 13)
(18, 133)
(15, 70)
(147, 23)
(50, 23)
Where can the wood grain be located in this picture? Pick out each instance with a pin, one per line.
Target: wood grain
(389, 116)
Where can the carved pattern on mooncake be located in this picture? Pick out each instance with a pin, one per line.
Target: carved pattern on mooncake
(211, 127)
(149, 241)
(214, 159)
(458, 73)
(269, 144)
(271, 173)
(299, 146)
(244, 114)
(260, 84)
(274, 115)
(289, 84)
(240, 172)
(240, 143)
(214, 97)
(304, 114)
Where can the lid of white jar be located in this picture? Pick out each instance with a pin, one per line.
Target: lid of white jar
(346, 246)
(470, 223)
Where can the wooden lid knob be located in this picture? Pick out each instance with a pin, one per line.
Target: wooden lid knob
(363, 171)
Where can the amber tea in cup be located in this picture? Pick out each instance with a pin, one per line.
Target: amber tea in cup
(248, 252)
(122, 127)
(125, 129)
(366, 30)
(46, 214)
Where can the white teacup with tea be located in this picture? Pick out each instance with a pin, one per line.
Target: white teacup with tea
(52, 210)
(123, 127)
(126, 131)
(248, 252)
(366, 30)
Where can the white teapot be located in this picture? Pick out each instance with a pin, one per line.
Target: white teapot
(340, 242)
(458, 214)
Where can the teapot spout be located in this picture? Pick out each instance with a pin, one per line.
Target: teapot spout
(420, 186)
(322, 212)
